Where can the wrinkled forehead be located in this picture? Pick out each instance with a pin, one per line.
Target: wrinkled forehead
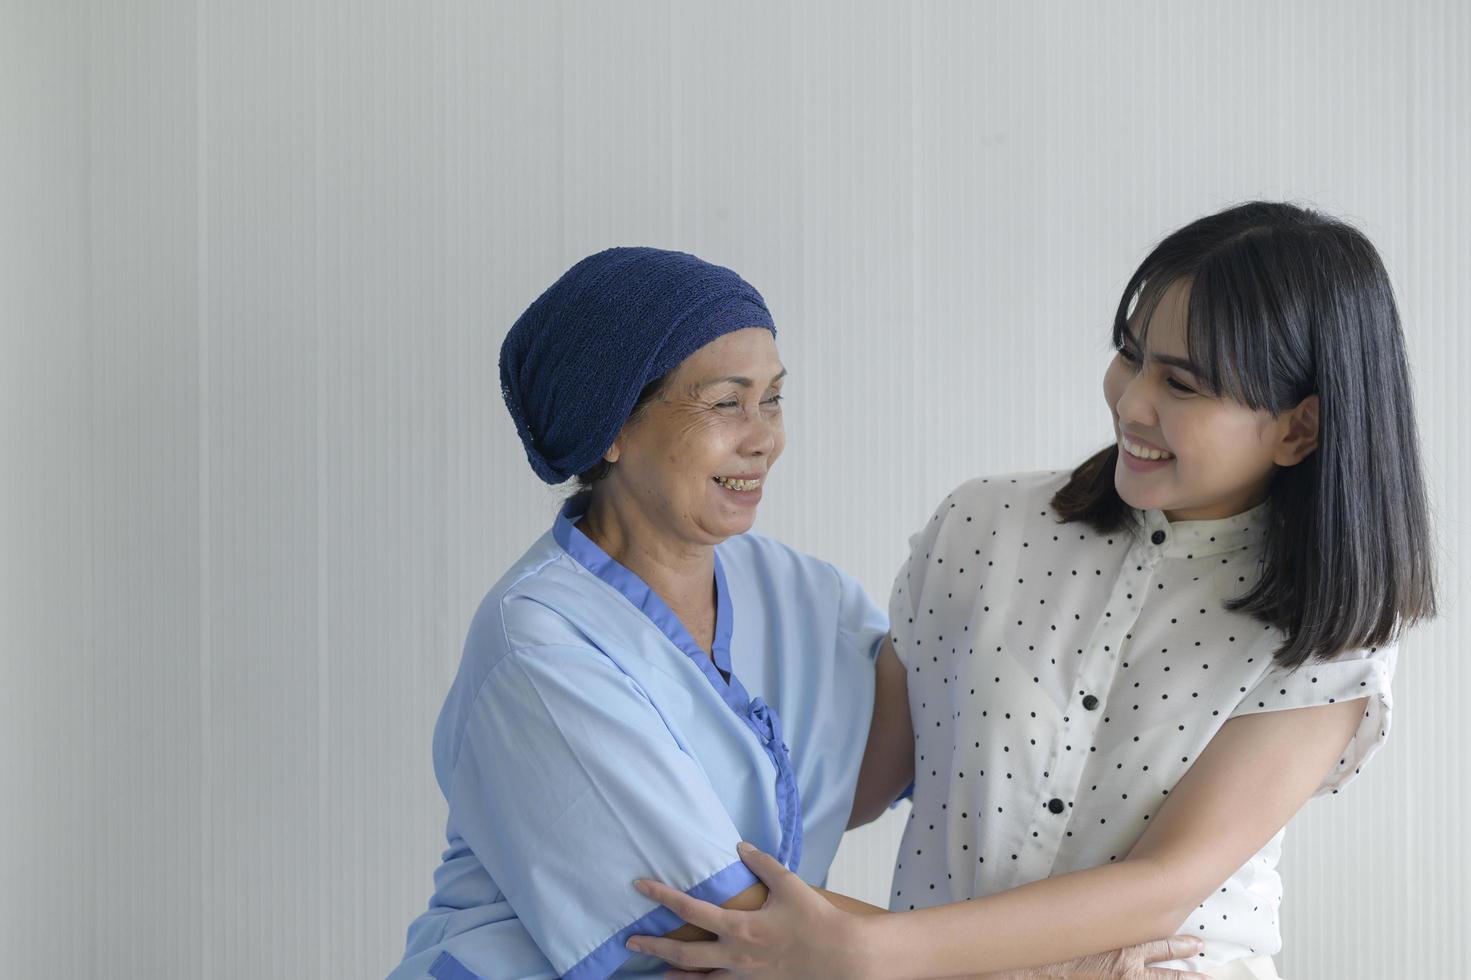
(748, 357)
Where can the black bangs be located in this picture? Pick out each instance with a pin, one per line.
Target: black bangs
(1247, 323)
(1285, 303)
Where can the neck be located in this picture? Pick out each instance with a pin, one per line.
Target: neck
(679, 572)
(1223, 509)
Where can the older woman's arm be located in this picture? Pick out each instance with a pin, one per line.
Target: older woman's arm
(888, 759)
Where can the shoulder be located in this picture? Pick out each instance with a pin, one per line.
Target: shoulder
(799, 575)
(524, 608)
(525, 635)
(989, 501)
(534, 606)
(1009, 491)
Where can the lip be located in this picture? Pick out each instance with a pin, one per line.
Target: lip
(1142, 441)
(1142, 465)
(745, 498)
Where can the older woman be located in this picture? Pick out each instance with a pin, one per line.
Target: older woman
(648, 685)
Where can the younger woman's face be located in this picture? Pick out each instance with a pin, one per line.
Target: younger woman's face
(1193, 455)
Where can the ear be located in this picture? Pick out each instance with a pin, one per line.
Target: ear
(1301, 435)
(615, 451)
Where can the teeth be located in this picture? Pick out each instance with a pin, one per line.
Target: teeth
(1143, 452)
(730, 484)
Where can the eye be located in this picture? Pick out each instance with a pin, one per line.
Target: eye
(1127, 355)
(773, 400)
(1179, 387)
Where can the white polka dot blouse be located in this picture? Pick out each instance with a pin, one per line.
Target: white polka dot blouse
(1061, 681)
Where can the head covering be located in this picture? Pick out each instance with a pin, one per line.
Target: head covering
(574, 363)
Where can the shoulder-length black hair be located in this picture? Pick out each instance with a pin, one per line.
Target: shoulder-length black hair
(1285, 303)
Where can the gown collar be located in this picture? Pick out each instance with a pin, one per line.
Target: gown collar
(597, 561)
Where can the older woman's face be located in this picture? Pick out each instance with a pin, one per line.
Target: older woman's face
(696, 458)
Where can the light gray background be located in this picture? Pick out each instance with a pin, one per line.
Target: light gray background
(256, 260)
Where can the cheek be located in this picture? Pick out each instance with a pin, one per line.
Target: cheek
(690, 439)
(701, 448)
(1114, 381)
(1211, 439)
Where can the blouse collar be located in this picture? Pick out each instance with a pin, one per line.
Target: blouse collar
(1197, 539)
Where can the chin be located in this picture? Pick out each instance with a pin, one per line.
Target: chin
(740, 526)
(728, 526)
(1140, 498)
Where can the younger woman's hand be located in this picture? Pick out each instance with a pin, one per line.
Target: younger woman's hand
(797, 933)
(1131, 963)
(800, 934)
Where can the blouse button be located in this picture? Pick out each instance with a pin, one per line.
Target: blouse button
(1090, 702)
(1158, 537)
(1056, 805)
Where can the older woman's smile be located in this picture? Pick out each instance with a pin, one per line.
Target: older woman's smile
(741, 483)
(745, 492)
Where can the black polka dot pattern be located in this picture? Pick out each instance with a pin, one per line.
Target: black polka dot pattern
(1062, 681)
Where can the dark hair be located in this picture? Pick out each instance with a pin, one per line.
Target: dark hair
(600, 470)
(1285, 303)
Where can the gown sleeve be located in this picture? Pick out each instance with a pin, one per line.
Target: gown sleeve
(568, 785)
(861, 623)
(1360, 673)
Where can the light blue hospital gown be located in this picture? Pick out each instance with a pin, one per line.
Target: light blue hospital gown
(587, 741)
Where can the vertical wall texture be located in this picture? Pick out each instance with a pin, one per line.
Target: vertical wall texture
(256, 260)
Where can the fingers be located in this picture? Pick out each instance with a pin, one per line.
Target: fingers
(1174, 948)
(771, 871)
(1162, 950)
(711, 918)
(685, 956)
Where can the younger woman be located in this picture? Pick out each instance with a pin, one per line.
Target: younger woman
(1123, 681)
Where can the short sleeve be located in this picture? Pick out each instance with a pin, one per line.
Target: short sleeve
(861, 623)
(910, 580)
(567, 787)
(1361, 673)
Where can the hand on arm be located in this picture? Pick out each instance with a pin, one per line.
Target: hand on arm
(754, 898)
(1200, 836)
(740, 946)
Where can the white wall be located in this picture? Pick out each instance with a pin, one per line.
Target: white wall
(256, 260)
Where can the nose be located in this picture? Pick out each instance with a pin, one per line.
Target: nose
(761, 435)
(1135, 405)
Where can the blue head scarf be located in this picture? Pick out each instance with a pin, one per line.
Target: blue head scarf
(574, 363)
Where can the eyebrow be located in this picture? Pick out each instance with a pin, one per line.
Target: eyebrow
(1183, 363)
(744, 382)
